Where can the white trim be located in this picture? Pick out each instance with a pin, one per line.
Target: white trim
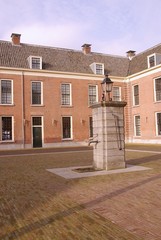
(93, 85)
(41, 82)
(144, 73)
(133, 103)
(12, 121)
(148, 58)
(30, 58)
(5, 79)
(120, 95)
(58, 74)
(70, 97)
(71, 129)
(156, 124)
(93, 66)
(154, 82)
(42, 128)
(137, 115)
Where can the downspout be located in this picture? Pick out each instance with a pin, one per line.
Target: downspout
(23, 110)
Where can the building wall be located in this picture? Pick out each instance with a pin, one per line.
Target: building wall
(146, 109)
(51, 110)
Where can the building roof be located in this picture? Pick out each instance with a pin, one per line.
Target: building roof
(59, 59)
(15, 54)
(139, 62)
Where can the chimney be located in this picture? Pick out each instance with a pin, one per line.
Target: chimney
(86, 48)
(15, 38)
(130, 54)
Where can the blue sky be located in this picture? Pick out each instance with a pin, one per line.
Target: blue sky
(111, 26)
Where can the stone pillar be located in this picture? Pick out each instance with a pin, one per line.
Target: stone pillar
(108, 132)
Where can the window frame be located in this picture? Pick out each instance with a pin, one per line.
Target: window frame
(135, 126)
(12, 129)
(31, 62)
(70, 95)
(95, 70)
(96, 86)
(150, 56)
(99, 68)
(41, 97)
(71, 128)
(155, 92)
(119, 89)
(156, 124)
(37, 125)
(134, 96)
(1, 92)
(90, 126)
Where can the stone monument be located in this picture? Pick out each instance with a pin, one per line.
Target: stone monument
(108, 131)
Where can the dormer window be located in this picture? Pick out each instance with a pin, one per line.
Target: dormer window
(35, 62)
(97, 68)
(151, 61)
(154, 59)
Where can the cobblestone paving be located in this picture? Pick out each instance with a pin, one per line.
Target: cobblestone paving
(35, 204)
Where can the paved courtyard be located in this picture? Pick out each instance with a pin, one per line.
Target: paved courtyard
(36, 204)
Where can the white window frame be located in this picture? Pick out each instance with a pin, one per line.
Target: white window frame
(70, 97)
(155, 96)
(11, 91)
(71, 128)
(42, 127)
(12, 121)
(95, 70)
(135, 125)
(37, 104)
(134, 102)
(92, 85)
(30, 59)
(119, 89)
(156, 124)
(90, 126)
(148, 58)
(157, 59)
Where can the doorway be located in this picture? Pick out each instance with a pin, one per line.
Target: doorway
(37, 132)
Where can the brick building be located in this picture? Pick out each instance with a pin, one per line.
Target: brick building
(45, 93)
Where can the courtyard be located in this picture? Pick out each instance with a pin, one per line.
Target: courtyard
(36, 204)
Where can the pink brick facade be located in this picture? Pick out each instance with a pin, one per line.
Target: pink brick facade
(25, 118)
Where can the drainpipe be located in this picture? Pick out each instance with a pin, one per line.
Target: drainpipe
(23, 110)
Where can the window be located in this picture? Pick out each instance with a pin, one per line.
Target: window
(136, 95)
(158, 123)
(66, 94)
(67, 127)
(158, 89)
(116, 93)
(92, 94)
(97, 68)
(154, 60)
(37, 93)
(137, 125)
(151, 61)
(6, 128)
(35, 62)
(90, 127)
(6, 92)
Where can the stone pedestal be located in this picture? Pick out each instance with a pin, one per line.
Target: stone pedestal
(108, 135)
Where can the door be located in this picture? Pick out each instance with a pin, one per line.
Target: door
(37, 132)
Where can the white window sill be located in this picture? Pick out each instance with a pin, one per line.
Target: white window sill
(37, 105)
(7, 104)
(67, 139)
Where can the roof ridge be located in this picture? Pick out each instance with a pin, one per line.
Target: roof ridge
(155, 46)
(65, 49)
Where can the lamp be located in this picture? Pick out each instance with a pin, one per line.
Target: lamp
(106, 85)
